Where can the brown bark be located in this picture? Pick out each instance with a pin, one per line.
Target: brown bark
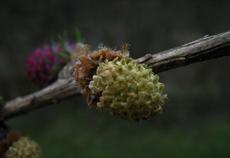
(208, 47)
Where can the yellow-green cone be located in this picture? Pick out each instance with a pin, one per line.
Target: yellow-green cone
(24, 148)
(128, 89)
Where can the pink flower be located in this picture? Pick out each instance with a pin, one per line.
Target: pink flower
(44, 63)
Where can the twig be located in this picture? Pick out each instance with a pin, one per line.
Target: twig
(208, 47)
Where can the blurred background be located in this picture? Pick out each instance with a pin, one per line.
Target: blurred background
(195, 122)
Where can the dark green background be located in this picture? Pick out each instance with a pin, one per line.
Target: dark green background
(195, 122)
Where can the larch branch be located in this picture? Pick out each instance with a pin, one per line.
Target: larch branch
(208, 47)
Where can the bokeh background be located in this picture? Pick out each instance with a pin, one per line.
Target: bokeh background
(195, 122)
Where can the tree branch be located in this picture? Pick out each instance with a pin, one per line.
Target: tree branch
(208, 47)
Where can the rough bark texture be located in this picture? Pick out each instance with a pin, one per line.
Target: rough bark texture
(208, 47)
(63, 88)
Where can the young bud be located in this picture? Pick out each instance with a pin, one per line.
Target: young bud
(23, 148)
(44, 64)
(115, 83)
(127, 89)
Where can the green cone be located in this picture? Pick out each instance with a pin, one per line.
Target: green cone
(24, 148)
(128, 89)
